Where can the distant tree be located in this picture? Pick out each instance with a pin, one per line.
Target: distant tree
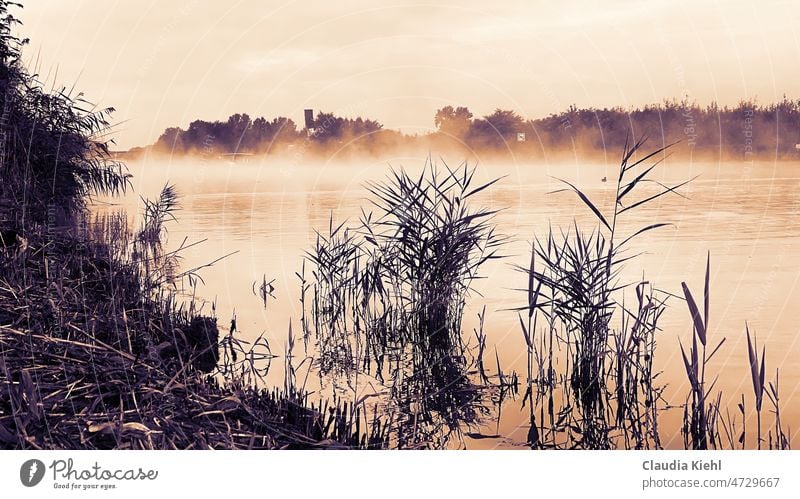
(284, 130)
(455, 122)
(505, 123)
(262, 135)
(361, 127)
(232, 133)
(171, 141)
(497, 129)
(236, 134)
(329, 127)
(200, 135)
(747, 129)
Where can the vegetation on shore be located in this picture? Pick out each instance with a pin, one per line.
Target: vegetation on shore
(98, 350)
(747, 131)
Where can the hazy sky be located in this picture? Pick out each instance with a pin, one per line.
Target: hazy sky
(165, 63)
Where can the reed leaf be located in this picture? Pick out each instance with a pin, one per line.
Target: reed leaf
(588, 203)
(697, 320)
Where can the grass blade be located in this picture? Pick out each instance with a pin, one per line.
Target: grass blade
(699, 327)
(588, 203)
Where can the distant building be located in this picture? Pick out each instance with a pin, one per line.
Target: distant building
(309, 118)
(309, 115)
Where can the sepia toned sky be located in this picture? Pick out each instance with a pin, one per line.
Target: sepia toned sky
(164, 63)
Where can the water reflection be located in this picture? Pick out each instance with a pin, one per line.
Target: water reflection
(746, 217)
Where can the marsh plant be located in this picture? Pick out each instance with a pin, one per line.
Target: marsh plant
(607, 389)
(388, 295)
(97, 350)
(579, 316)
(54, 145)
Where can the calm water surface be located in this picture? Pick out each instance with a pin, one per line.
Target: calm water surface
(744, 214)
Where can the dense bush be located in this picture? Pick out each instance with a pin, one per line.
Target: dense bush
(54, 150)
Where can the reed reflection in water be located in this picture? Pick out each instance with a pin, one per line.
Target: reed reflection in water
(745, 215)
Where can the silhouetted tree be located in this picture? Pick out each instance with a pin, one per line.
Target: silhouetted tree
(329, 127)
(171, 140)
(742, 131)
(455, 122)
(496, 130)
(237, 134)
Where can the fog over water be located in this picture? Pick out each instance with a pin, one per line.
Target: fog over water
(744, 214)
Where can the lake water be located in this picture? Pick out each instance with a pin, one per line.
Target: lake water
(744, 214)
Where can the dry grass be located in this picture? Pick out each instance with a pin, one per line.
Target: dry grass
(90, 359)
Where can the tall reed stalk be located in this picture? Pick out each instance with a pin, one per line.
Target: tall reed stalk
(701, 428)
(608, 390)
(757, 377)
(389, 296)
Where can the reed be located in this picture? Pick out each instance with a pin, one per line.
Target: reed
(757, 377)
(87, 359)
(781, 440)
(700, 428)
(606, 395)
(103, 345)
(100, 344)
(607, 387)
(389, 297)
(56, 154)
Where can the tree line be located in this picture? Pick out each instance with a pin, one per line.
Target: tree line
(747, 131)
